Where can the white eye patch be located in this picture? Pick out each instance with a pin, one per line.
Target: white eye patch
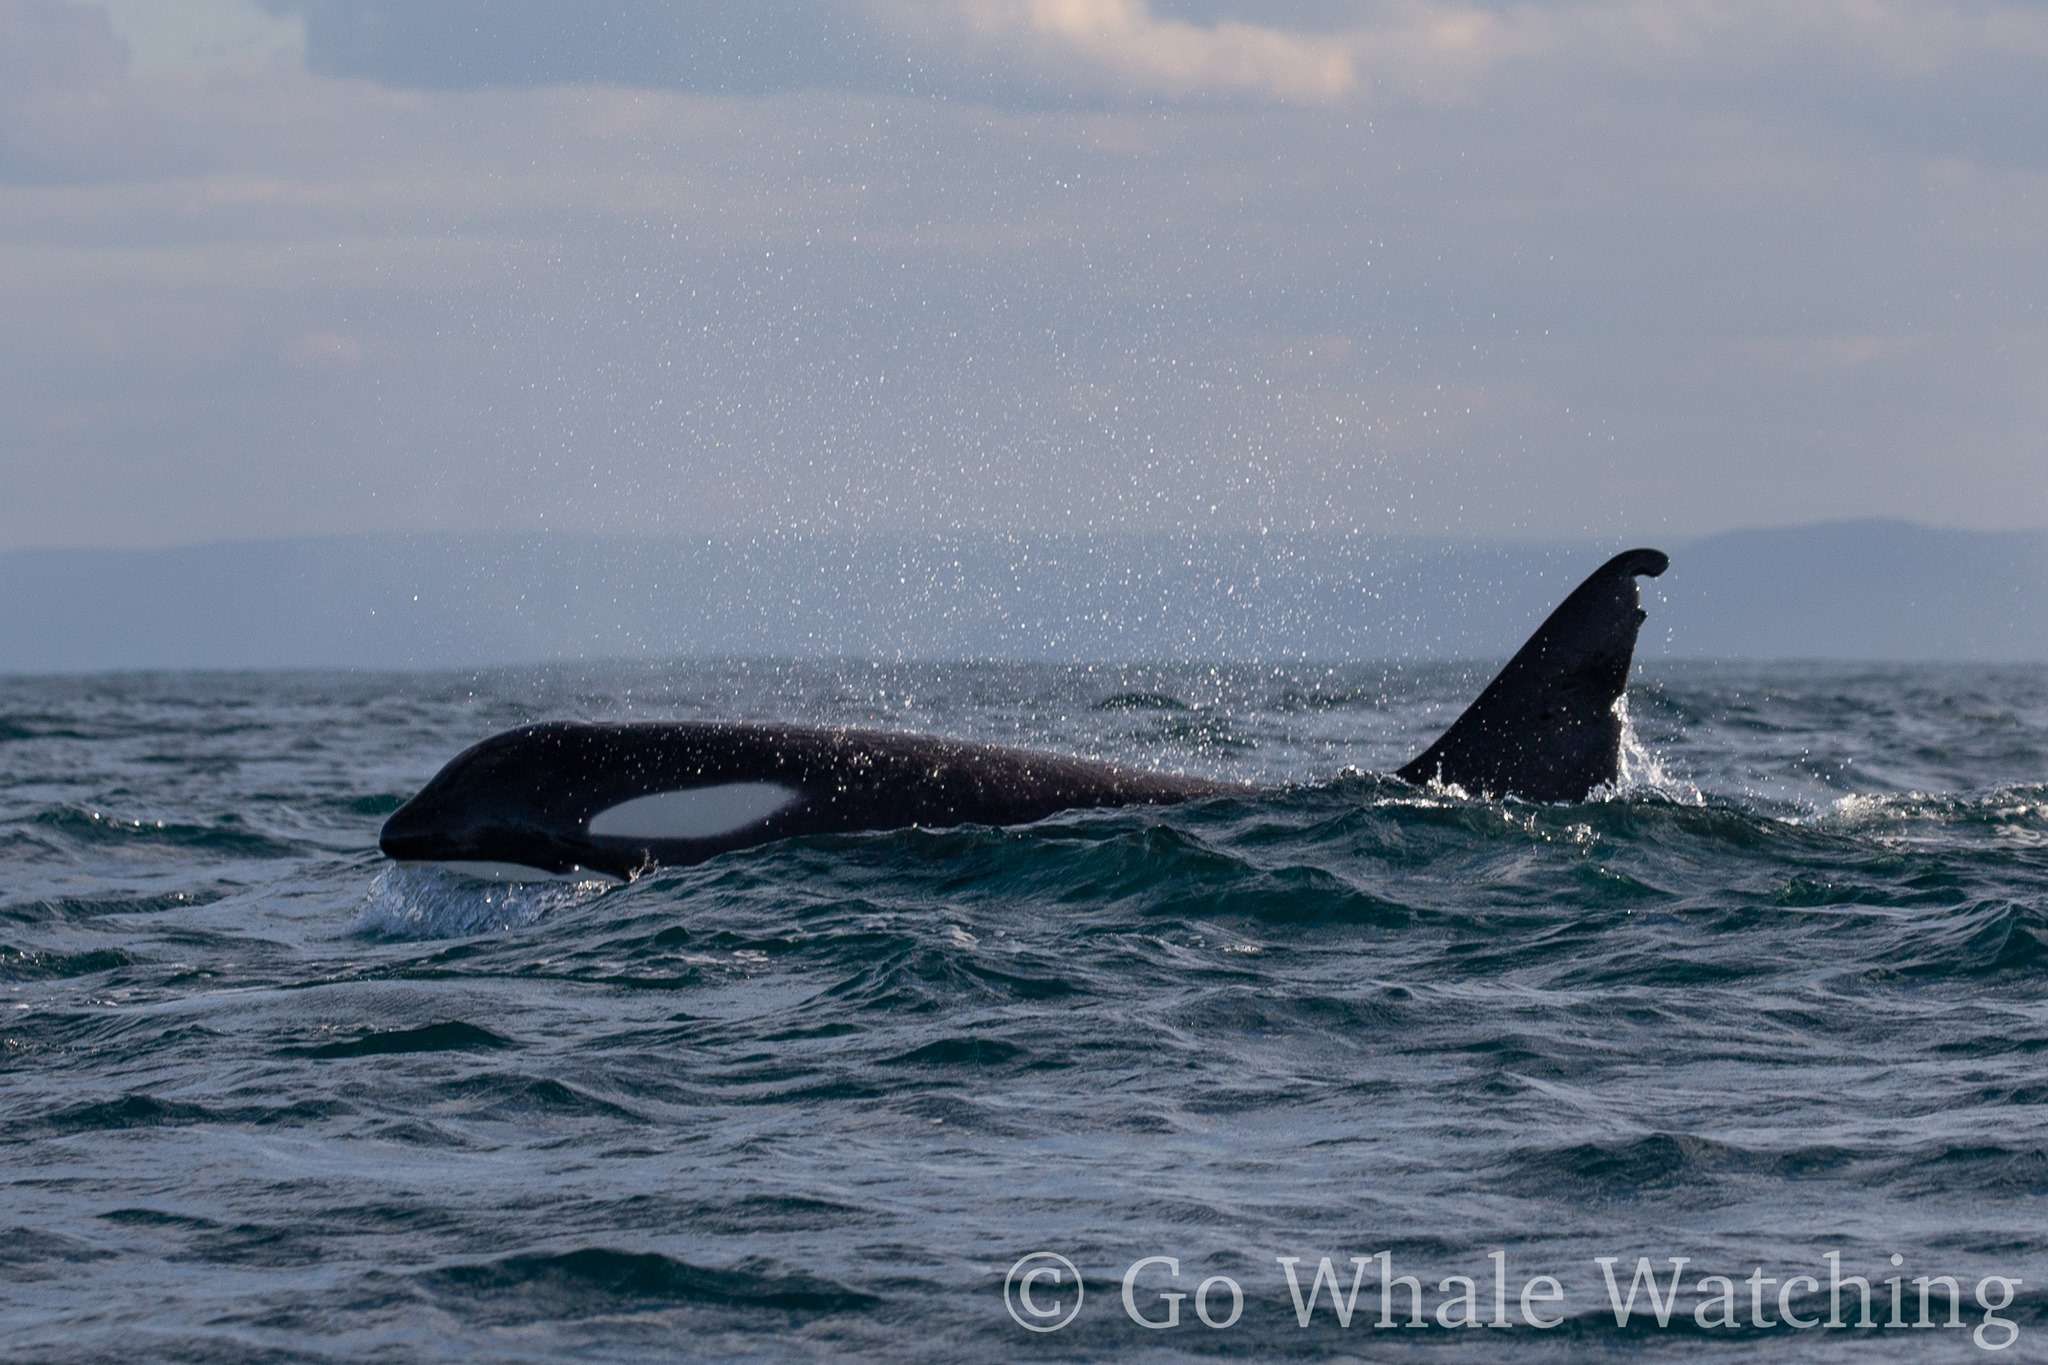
(694, 813)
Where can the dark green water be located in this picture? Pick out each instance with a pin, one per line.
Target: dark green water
(1785, 996)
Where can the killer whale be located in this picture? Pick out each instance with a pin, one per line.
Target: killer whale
(570, 797)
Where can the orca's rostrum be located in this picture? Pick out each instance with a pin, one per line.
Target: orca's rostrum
(566, 797)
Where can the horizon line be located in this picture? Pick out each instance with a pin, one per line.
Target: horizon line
(909, 534)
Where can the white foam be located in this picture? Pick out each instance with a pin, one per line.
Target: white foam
(1641, 768)
(422, 900)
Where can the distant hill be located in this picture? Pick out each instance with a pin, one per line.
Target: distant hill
(1851, 590)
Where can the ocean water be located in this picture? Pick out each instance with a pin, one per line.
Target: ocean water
(1781, 998)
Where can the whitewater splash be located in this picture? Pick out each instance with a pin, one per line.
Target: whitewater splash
(419, 901)
(1643, 771)
(2013, 817)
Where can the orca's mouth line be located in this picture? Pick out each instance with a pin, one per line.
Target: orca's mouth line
(526, 855)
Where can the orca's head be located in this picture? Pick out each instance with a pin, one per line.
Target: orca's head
(512, 806)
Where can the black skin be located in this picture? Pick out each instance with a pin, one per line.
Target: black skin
(514, 797)
(1544, 730)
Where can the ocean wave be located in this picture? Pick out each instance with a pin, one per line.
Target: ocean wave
(448, 1036)
(265, 1093)
(597, 1281)
(227, 835)
(140, 1109)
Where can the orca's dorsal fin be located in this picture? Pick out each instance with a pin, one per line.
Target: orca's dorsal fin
(1545, 729)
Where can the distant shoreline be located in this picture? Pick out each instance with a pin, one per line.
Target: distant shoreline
(1877, 591)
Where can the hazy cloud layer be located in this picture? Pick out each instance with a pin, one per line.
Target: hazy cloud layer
(1466, 269)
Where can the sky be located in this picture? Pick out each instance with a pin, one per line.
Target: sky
(1488, 269)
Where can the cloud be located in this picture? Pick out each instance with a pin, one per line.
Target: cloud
(1533, 269)
(1124, 39)
(1873, 54)
(184, 36)
(1009, 52)
(57, 65)
(753, 48)
(53, 43)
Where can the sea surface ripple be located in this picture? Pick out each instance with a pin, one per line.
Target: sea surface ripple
(266, 1096)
